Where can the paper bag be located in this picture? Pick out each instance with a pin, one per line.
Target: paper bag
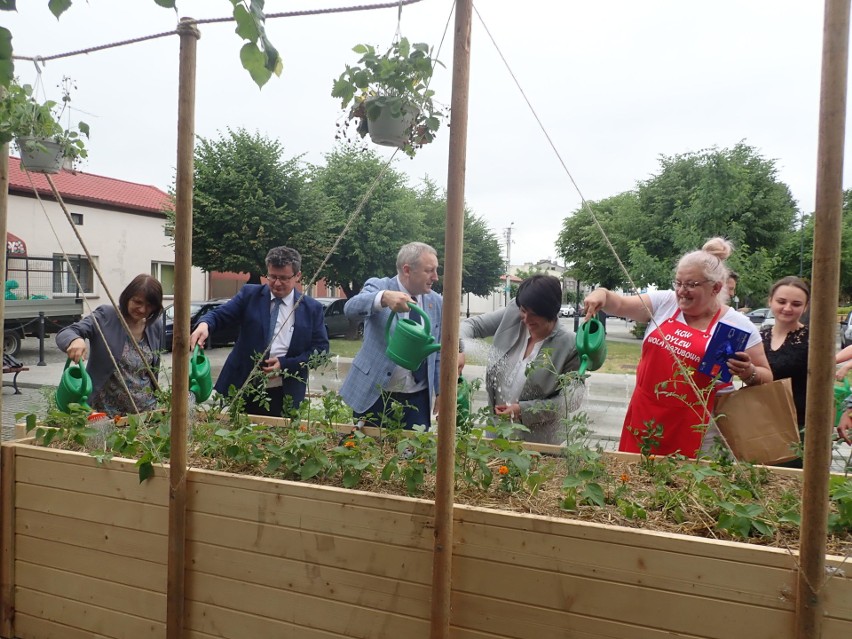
(759, 422)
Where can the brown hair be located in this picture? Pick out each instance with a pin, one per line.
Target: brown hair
(147, 287)
(795, 282)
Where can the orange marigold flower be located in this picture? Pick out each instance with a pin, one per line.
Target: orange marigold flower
(303, 428)
(625, 478)
(421, 461)
(349, 444)
(503, 470)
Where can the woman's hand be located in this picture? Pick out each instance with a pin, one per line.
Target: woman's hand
(742, 366)
(844, 428)
(594, 302)
(512, 411)
(77, 350)
(841, 372)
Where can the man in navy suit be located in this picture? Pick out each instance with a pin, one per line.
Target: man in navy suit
(373, 379)
(274, 319)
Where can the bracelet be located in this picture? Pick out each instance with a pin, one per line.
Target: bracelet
(750, 380)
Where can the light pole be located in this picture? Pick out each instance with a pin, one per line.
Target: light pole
(507, 287)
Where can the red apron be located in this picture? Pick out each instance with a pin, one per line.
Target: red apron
(681, 415)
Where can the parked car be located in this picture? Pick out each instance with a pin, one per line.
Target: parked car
(567, 310)
(759, 315)
(769, 320)
(222, 337)
(336, 323)
(846, 332)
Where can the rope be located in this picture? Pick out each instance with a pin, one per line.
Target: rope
(684, 371)
(284, 14)
(76, 279)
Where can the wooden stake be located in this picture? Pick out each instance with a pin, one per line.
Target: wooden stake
(176, 595)
(826, 279)
(7, 541)
(443, 553)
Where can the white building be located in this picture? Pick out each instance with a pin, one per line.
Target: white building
(121, 223)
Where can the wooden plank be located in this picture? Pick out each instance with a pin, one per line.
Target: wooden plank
(257, 611)
(539, 596)
(506, 619)
(226, 623)
(92, 508)
(325, 582)
(96, 621)
(38, 628)
(384, 560)
(81, 473)
(649, 567)
(91, 591)
(682, 544)
(837, 596)
(362, 517)
(312, 491)
(836, 629)
(7, 540)
(112, 540)
(91, 561)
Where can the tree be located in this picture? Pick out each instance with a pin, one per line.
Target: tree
(388, 220)
(581, 244)
(247, 199)
(258, 56)
(482, 263)
(729, 192)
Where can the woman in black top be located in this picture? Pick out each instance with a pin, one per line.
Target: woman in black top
(786, 343)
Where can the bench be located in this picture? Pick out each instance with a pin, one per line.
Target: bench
(12, 365)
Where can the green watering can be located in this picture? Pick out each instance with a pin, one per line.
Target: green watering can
(200, 379)
(841, 392)
(75, 387)
(411, 342)
(591, 345)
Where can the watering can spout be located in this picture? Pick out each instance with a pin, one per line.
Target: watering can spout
(410, 342)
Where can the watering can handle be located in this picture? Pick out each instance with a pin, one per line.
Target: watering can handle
(427, 324)
(68, 363)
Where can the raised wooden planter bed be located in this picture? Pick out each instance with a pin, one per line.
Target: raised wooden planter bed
(84, 554)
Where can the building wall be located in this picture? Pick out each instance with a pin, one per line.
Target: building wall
(122, 244)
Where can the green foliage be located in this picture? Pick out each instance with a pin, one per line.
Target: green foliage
(389, 218)
(482, 263)
(731, 192)
(247, 199)
(840, 495)
(393, 81)
(258, 56)
(22, 116)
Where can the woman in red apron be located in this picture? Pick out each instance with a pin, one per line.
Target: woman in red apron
(681, 322)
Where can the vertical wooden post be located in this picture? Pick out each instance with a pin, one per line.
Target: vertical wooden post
(176, 596)
(826, 279)
(443, 550)
(4, 214)
(7, 542)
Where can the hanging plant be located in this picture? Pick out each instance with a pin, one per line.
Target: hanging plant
(389, 96)
(35, 126)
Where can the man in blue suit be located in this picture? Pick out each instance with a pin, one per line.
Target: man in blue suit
(274, 319)
(373, 379)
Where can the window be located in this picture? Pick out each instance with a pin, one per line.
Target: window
(63, 277)
(77, 218)
(165, 272)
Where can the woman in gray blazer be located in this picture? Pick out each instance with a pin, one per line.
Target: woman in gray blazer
(522, 382)
(141, 304)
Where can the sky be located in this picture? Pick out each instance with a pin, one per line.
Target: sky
(615, 83)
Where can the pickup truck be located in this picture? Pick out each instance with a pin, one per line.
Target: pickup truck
(22, 319)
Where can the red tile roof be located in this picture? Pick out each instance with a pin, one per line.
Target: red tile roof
(87, 187)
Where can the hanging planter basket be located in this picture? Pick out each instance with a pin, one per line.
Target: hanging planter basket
(40, 155)
(387, 128)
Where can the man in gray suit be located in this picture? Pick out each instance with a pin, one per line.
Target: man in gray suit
(374, 380)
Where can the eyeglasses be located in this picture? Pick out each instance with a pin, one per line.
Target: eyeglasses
(689, 286)
(280, 278)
